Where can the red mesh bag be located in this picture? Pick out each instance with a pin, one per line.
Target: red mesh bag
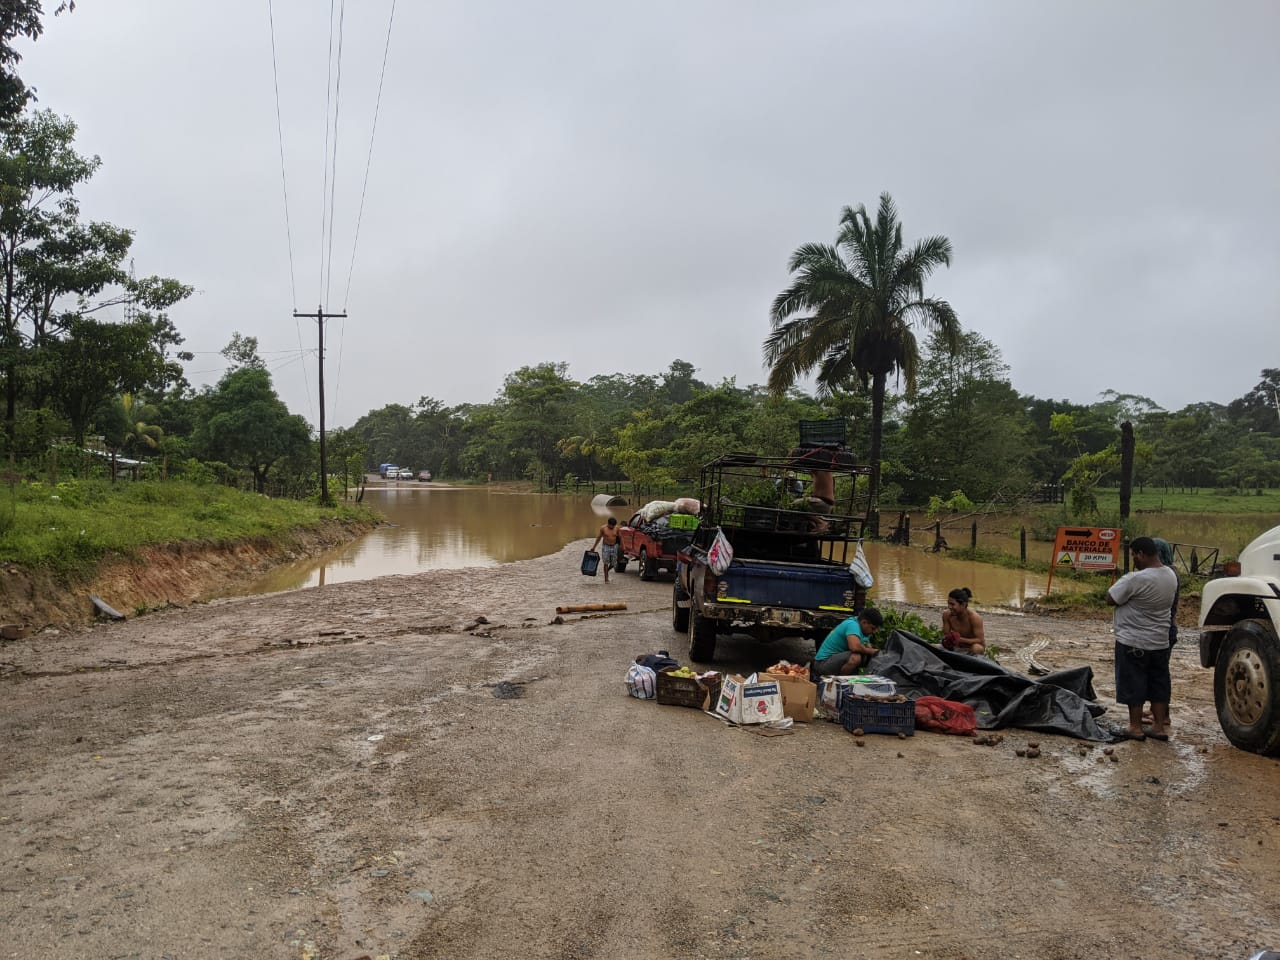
(945, 716)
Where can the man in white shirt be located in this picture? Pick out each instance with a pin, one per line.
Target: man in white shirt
(1142, 600)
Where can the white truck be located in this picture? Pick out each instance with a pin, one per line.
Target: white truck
(1240, 639)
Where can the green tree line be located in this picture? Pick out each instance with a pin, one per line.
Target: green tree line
(965, 428)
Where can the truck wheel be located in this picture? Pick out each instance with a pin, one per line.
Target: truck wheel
(679, 614)
(702, 638)
(1246, 687)
(621, 565)
(646, 568)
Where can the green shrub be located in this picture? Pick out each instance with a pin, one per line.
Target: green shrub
(895, 619)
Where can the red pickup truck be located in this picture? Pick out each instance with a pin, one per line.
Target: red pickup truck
(652, 545)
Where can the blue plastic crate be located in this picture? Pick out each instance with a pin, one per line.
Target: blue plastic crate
(878, 716)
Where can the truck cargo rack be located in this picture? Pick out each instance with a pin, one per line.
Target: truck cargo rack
(765, 504)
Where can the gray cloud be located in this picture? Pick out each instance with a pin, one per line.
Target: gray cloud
(619, 187)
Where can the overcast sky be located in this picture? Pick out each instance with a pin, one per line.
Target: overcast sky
(617, 186)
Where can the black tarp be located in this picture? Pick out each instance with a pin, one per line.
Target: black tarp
(1061, 702)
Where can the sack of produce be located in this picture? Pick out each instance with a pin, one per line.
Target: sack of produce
(657, 508)
(945, 716)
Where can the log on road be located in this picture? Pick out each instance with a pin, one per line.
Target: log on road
(590, 607)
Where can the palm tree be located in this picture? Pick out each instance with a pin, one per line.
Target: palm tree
(850, 312)
(138, 434)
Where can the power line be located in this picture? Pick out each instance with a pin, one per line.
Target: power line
(324, 190)
(333, 180)
(288, 230)
(364, 189)
(368, 163)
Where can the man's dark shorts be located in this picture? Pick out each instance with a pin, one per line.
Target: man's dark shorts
(833, 664)
(1142, 675)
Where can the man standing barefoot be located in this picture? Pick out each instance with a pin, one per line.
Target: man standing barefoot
(1142, 600)
(609, 552)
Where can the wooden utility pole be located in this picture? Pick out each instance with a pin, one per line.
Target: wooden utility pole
(1126, 468)
(320, 317)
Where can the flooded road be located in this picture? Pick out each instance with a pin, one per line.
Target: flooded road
(432, 527)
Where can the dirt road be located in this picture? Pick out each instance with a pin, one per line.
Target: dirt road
(327, 775)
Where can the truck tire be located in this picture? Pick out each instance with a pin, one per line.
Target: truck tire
(646, 567)
(702, 638)
(621, 565)
(679, 614)
(1246, 686)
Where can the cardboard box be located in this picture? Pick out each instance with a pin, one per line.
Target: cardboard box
(749, 700)
(799, 696)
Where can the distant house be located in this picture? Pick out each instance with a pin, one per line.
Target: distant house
(121, 468)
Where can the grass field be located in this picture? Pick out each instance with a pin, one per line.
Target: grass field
(1203, 501)
(70, 526)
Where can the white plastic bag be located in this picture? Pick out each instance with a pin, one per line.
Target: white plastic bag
(861, 570)
(720, 555)
(642, 682)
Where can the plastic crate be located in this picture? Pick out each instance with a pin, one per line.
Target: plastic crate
(682, 521)
(877, 716)
(687, 691)
(823, 433)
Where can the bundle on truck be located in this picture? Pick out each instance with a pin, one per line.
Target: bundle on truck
(792, 525)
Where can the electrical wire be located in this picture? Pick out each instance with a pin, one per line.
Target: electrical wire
(284, 184)
(368, 163)
(333, 180)
(324, 190)
(364, 189)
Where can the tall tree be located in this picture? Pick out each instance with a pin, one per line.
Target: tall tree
(535, 416)
(245, 424)
(967, 429)
(18, 18)
(1259, 410)
(96, 360)
(850, 312)
(242, 351)
(56, 269)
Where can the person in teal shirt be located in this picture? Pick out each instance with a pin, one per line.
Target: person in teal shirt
(847, 648)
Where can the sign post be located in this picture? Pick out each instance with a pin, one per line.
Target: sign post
(1085, 548)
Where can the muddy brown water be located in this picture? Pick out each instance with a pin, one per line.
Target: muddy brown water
(436, 527)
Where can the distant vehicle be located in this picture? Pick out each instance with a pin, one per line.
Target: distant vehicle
(424, 476)
(404, 474)
(388, 471)
(654, 546)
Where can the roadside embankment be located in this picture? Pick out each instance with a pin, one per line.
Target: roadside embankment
(158, 575)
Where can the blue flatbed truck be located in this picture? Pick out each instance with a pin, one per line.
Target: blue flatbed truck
(792, 548)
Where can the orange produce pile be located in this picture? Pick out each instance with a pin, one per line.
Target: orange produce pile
(786, 668)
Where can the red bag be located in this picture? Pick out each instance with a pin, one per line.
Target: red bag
(945, 716)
